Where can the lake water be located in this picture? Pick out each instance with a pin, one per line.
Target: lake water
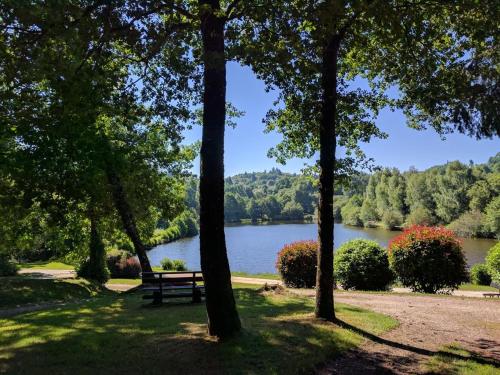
(253, 248)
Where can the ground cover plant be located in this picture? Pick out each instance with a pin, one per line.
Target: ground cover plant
(279, 335)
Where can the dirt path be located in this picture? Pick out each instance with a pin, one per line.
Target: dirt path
(426, 324)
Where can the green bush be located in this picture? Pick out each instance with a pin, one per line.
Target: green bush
(392, 219)
(297, 264)
(493, 263)
(363, 265)
(173, 264)
(469, 224)
(428, 259)
(480, 275)
(419, 216)
(7, 268)
(351, 211)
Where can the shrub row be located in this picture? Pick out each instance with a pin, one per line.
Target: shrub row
(168, 264)
(184, 225)
(425, 259)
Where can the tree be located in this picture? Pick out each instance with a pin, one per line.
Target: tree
(223, 317)
(312, 51)
(88, 137)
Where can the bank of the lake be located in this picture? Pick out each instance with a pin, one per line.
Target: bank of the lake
(253, 248)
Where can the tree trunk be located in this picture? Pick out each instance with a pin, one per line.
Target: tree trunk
(324, 274)
(127, 217)
(97, 269)
(223, 319)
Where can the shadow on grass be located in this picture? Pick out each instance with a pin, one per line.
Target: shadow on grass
(413, 349)
(115, 335)
(21, 290)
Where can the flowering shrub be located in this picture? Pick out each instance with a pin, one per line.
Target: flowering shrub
(297, 264)
(122, 264)
(362, 264)
(428, 259)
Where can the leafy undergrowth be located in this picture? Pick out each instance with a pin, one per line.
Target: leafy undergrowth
(20, 291)
(454, 360)
(118, 334)
(47, 266)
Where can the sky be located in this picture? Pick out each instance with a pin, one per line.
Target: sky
(246, 145)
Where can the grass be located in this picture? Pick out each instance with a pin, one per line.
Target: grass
(119, 335)
(125, 281)
(477, 288)
(46, 266)
(445, 363)
(270, 276)
(18, 290)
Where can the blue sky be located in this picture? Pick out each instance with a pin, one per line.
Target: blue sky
(247, 145)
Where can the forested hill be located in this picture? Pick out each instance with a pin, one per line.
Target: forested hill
(465, 196)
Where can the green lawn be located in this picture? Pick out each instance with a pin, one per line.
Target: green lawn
(270, 276)
(477, 288)
(19, 290)
(448, 363)
(125, 281)
(47, 266)
(118, 334)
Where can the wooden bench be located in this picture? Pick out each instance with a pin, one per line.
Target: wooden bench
(491, 295)
(172, 285)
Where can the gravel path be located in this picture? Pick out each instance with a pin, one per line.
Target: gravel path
(426, 324)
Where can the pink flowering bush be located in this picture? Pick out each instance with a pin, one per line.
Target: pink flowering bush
(428, 259)
(297, 264)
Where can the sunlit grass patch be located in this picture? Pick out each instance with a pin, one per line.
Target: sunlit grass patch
(454, 360)
(119, 334)
(47, 266)
(19, 291)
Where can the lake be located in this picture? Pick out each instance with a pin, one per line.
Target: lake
(253, 248)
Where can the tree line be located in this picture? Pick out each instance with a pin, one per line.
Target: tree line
(94, 98)
(464, 197)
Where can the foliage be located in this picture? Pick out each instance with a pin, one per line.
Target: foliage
(184, 225)
(479, 274)
(492, 217)
(363, 265)
(437, 195)
(7, 267)
(428, 259)
(122, 264)
(493, 262)
(469, 224)
(392, 219)
(419, 216)
(296, 264)
(351, 212)
(173, 264)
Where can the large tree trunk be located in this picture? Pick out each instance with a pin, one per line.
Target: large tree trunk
(97, 269)
(127, 217)
(223, 319)
(324, 275)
